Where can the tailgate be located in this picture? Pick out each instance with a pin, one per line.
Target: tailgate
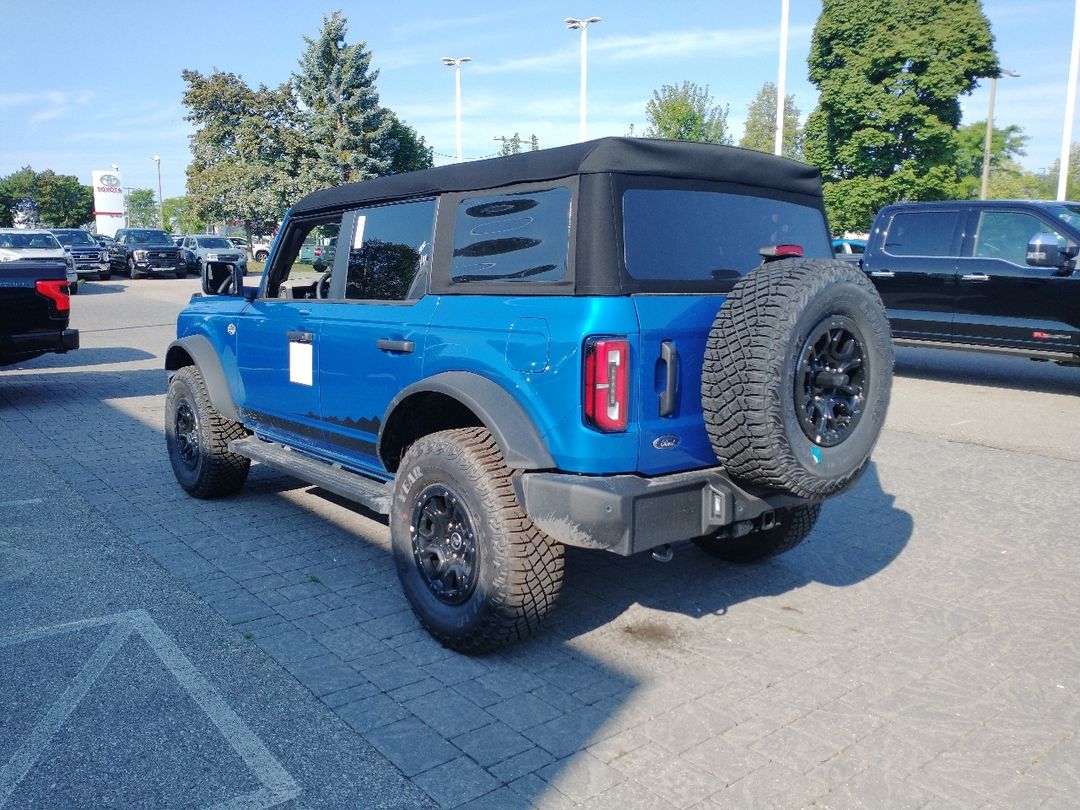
(22, 309)
(667, 373)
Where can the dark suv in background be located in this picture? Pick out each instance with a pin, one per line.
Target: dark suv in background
(990, 275)
(91, 259)
(137, 251)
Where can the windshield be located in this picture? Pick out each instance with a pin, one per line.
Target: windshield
(149, 238)
(35, 241)
(214, 242)
(685, 235)
(75, 238)
(1069, 214)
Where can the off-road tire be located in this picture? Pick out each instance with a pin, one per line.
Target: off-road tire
(791, 528)
(131, 271)
(197, 438)
(73, 289)
(752, 379)
(516, 570)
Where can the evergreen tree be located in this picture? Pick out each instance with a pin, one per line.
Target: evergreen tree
(890, 75)
(760, 132)
(686, 113)
(350, 136)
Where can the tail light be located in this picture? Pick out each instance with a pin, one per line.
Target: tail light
(606, 393)
(57, 291)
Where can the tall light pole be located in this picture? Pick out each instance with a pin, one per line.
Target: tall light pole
(781, 79)
(1070, 105)
(990, 131)
(456, 65)
(583, 26)
(161, 200)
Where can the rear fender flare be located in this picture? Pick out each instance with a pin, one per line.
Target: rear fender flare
(508, 423)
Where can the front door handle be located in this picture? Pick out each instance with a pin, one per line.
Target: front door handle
(300, 337)
(975, 277)
(669, 356)
(399, 346)
(883, 274)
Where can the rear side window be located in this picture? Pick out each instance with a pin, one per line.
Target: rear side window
(922, 233)
(711, 236)
(512, 237)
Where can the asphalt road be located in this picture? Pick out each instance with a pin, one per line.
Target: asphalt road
(918, 650)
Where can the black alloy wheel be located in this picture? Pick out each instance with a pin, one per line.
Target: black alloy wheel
(444, 545)
(830, 381)
(186, 434)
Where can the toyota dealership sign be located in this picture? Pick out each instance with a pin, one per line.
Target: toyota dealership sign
(108, 201)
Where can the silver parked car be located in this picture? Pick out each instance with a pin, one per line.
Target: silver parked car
(201, 248)
(22, 244)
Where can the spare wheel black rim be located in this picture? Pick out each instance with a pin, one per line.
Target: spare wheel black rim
(831, 380)
(444, 544)
(186, 432)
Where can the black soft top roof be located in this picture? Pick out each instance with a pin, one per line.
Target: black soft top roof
(643, 156)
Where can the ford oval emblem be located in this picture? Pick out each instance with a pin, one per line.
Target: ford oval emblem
(666, 442)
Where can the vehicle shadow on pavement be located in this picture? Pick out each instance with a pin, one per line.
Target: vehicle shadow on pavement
(311, 582)
(998, 371)
(99, 288)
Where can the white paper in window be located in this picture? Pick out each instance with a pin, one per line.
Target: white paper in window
(358, 234)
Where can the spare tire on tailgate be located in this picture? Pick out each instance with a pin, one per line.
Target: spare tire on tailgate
(797, 373)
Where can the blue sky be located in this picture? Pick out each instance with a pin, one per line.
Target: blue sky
(103, 88)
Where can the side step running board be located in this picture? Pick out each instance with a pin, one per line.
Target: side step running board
(368, 492)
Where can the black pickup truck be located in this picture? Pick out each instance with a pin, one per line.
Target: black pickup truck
(994, 275)
(34, 310)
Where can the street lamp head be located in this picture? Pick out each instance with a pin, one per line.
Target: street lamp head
(156, 159)
(576, 24)
(450, 62)
(1013, 73)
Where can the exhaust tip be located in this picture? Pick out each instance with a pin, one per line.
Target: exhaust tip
(663, 553)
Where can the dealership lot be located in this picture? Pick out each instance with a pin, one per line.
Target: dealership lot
(919, 650)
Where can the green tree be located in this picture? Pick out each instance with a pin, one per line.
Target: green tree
(350, 136)
(760, 132)
(513, 145)
(141, 208)
(1005, 146)
(1072, 184)
(18, 194)
(686, 112)
(180, 216)
(411, 151)
(245, 151)
(63, 201)
(890, 75)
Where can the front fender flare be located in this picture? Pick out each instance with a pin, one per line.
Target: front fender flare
(509, 424)
(202, 353)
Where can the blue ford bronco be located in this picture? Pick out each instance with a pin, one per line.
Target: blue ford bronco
(621, 344)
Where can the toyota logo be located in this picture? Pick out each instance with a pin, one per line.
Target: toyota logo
(110, 180)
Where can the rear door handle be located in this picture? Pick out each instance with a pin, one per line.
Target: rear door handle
(669, 356)
(883, 274)
(400, 346)
(300, 337)
(974, 277)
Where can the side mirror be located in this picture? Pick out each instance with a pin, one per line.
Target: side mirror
(1046, 250)
(222, 278)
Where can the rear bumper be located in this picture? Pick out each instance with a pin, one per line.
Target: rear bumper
(32, 344)
(627, 514)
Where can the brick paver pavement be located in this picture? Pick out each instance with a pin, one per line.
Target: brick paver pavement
(919, 650)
